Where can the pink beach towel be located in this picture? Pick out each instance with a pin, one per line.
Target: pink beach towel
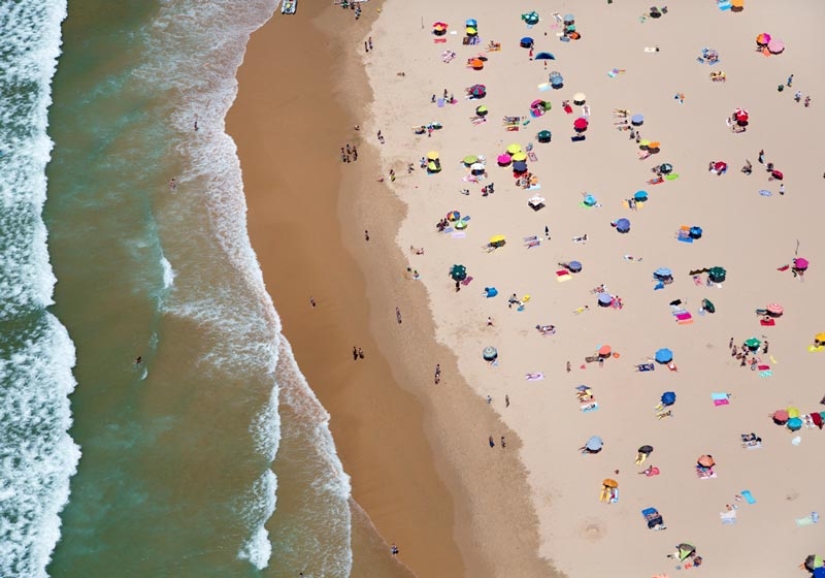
(683, 316)
(718, 402)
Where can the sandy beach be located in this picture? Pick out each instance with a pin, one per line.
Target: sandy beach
(420, 454)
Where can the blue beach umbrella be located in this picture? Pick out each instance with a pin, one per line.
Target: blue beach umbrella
(526, 42)
(668, 398)
(663, 273)
(605, 299)
(623, 225)
(574, 266)
(637, 119)
(590, 200)
(471, 23)
(544, 56)
(520, 167)
(569, 19)
(664, 355)
(640, 196)
(695, 232)
(594, 444)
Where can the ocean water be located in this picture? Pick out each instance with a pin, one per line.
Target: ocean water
(211, 456)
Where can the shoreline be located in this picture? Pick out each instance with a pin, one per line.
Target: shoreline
(410, 459)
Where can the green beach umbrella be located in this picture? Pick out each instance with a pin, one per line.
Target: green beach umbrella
(717, 274)
(708, 306)
(470, 159)
(458, 272)
(753, 343)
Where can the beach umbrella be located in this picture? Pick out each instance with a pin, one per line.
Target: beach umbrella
(668, 398)
(794, 424)
(482, 110)
(478, 90)
(520, 167)
(819, 337)
(604, 351)
(520, 157)
(637, 120)
(720, 167)
(610, 483)
(654, 146)
(742, 117)
(666, 168)
(640, 196)
(708, 306)
(440, 24)
(542, 104)
(695, 232)
(663, 273)
(460, 225)
(685, 550)
(580, 124)
(432, 155)
(544, 56)
(476, 64)
(594, 444)
(590, 200)
(717, 274)
(471, 31)
(664, 355)
(513, 148)
(531, 18)
(544, 136)
(569, 19)
(489, 353)
(490, 292)
(800, 264)
(497, 241)
(763, 38)
(623, 225)
(646, 450)
(504, 160)
(706, 461)
(574, 266)
(605, 299)
(470, 159)
(579, 98)
(526, 42)
(793, 412)
(775, 310)
(813, 562)
(458, 272)
(556, 80)
(780, 417)
(644, 143)
(753, 343)
(471, 23)
(477, 169)
(776, 46)
(453, 216)
(777, 175)
(433, 167)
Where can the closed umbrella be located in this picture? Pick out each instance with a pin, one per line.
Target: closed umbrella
(775, 309)
(706, 461)
(594, 444)
(668, 398)
(579, 98)
(489, 353)
(513, 148)
(623, 225)
(605, 299)
(664, 355)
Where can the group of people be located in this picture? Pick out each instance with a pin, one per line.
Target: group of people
(743, 354)
(349, 153)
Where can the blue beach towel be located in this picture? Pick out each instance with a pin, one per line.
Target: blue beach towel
(748, 496)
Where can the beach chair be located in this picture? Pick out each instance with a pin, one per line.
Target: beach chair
(653, 519)
(645, 367)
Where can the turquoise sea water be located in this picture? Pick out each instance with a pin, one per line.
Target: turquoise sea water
(210, 457)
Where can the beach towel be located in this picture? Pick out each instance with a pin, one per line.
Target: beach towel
(467, 281)
(682, 316)
(532, 156)
(767, 322)
(588, 407)
(705, 474)
(440, 40)
(534, 376)
(806, 521)
(767, 373)
(728, 517)
(544, 86)
(458, 234)
(718, 402)
(748, 496)
(650, 49)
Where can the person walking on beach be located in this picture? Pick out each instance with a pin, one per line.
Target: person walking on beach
(366, 235)
(782, 189)
(790, 81)
(437, 378)
(354, 353)
(369, 41)
(761, 157)
(380, 137)
(366, 46)
(173, 184)
(503, 443)
(765, 347)
(392, 175)
(312, 301)
(398, 315)
(506, 401)
(354, 153)
(568, 367)
(360, 353)
(730, 344)
(491, 442)
(807, 102)
(489, 322)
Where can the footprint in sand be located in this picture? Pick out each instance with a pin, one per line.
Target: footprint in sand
(592, 531)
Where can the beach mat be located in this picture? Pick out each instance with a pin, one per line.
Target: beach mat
(748, 496)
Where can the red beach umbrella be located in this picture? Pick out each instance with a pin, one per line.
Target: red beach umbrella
(778, 175)
(780, 416)
(742, 116)
(580, 124)
(720, 166)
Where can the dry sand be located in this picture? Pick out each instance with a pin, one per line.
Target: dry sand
(748, 234)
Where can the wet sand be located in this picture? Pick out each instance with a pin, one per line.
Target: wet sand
(420, 468)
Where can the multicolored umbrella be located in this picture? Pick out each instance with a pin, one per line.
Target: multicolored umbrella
(763, 39)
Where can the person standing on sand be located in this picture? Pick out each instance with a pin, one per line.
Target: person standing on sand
(503, 443)
(437, 378)
(761, 157)
(506, 401)
(360, 353)
(491, 442)
(354, 353)
(730, 344)
(398, 315)
(782, 189)
(765, 347)
(312, 301)
(568, 367)
(366, 235)
(790, 81)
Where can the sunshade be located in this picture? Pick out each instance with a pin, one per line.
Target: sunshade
(610, 483)
(776, 46)
(526, 42)
(433, 167)
(504, 159)
(458, 272)
(477, 167)
(544, 136)
(695, 232)
(720, 166)
(470, 159)
(481, 110)
(513, 148)
(637, 119)
(579, 98)
(520, 167)
(595, 443)
(440, 25)
(793, 412)
(471, 31)
(477, 64)
(777, 175)
(708, 306)
(686, 550)
(605, 350)
(432, 155)
(663, 272)
(453, 216)
(623, 225)
(794, 424)
(644, 143)
(814, 561)
(590, 200)
(666, 168)
(647, 450)
(478, 90)
(520, 157)
(497, 239)
(820, 337)
(717, 274)
(706, 461)
(664, 355)
(530, 17)
(489, 353)
(655, 145)
(742, 116)
(668, 398)
(574, 266)
(752, 343)
(780, 416)
(580, 123)
(763, 38)
(544, 56)
(471, 22)
(800, 263)
(568, 18)
(640, 196)
(605, 299)
(775, 309)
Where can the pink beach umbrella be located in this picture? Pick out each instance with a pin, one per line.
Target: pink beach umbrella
(776, 46)
(504, 160)
(800, 264)
(775, 309)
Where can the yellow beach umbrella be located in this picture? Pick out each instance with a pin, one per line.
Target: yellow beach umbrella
(471, 31)
(644, 143)
(513, 148)
(820, 337)
(497, 240)
(793, 412)
(432, 155)
(519, 157)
